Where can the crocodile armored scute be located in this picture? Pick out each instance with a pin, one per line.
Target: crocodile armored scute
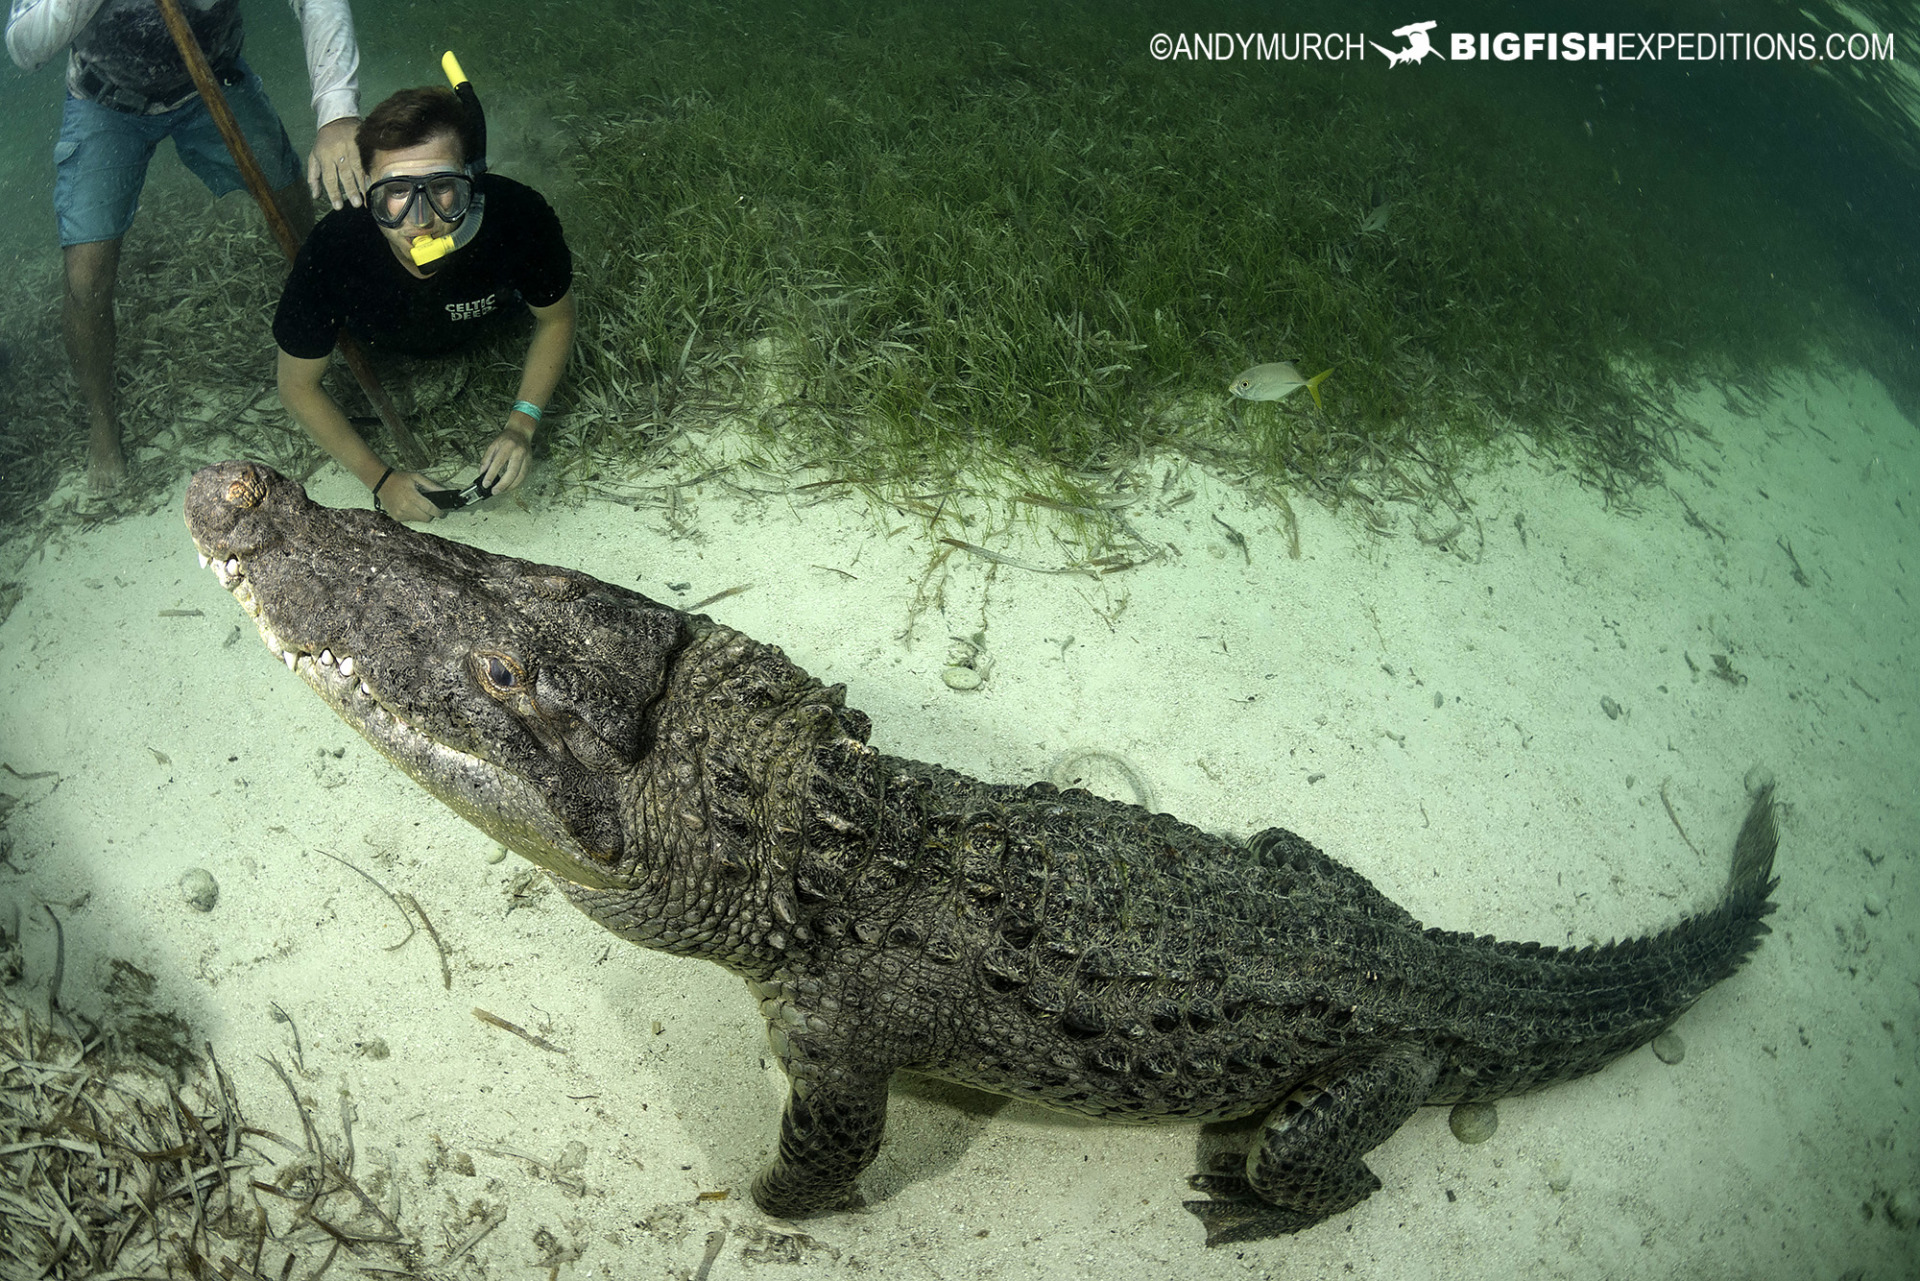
(697, 792)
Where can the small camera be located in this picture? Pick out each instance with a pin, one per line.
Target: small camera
(452, 500)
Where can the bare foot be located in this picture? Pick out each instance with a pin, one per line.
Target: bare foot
(106, 465)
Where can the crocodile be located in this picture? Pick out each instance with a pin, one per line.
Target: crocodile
(695, 791)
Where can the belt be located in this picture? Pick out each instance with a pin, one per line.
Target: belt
(94, 87)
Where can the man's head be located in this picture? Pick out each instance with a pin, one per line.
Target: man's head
(412, 117)
(415, 147)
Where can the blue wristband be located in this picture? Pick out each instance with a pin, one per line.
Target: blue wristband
(528, 408)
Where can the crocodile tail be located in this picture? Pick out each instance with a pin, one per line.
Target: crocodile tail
(1751, 883)
(1561, 1014)
(1718, 941)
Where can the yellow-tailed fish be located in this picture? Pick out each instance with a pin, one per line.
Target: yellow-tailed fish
(1276, 382)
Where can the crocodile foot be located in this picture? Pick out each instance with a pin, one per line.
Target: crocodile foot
(1238, 1214)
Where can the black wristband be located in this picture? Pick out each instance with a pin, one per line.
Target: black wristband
(376, 489)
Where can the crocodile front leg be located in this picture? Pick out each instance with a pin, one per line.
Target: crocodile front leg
(828, 1135)
(836, 1106)
(1306, 1165)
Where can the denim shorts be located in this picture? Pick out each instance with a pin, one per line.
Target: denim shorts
(100, 162)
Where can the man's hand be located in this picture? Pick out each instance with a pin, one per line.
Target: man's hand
(400, 494)
(333, 166)
(507, 460)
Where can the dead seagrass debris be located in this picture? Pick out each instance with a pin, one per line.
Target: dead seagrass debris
(110, 1165)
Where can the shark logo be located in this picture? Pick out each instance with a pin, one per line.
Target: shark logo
(1418, 46)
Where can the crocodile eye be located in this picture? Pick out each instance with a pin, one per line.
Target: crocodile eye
(248, 490)
(501, 672)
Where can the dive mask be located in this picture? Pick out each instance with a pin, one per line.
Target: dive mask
(405, 198)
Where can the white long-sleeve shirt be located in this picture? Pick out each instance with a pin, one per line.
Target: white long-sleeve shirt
(126, 44)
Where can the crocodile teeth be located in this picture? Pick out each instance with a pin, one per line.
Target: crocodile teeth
(204, 562)
(232, 566)
(326, 658)
(346, 665)
(291, 658)
(365, 690)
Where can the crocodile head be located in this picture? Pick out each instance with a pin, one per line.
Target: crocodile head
(516, 693)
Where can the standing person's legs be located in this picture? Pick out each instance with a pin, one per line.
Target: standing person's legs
(100, 164)
(87, 318)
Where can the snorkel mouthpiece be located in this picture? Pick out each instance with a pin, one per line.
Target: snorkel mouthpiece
(430, 252)
(427, 251)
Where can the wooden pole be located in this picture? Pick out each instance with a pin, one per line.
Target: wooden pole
(256, 181)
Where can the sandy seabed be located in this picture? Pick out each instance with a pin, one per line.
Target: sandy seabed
(1484, 728)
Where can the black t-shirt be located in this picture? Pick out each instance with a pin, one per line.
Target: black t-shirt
(346, 275)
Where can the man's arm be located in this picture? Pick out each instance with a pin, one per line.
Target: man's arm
(548, 350)
(38, 29)
(510, 457)
(308, 401)
(333, 69)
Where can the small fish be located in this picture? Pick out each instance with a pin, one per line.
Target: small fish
(1276, 382)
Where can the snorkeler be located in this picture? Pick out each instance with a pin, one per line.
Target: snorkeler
(443, 254)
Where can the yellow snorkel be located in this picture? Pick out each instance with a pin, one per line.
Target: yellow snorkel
(429, 251)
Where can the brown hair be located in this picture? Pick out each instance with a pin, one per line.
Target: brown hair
(411, 117)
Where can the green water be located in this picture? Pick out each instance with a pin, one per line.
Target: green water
(985, 232)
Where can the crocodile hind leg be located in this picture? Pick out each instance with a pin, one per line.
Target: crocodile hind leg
(1305, 1164)
(828, 1135)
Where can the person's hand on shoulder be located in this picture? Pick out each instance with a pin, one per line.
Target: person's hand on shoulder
(507, 460)
(401, 496)
(333, 166)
